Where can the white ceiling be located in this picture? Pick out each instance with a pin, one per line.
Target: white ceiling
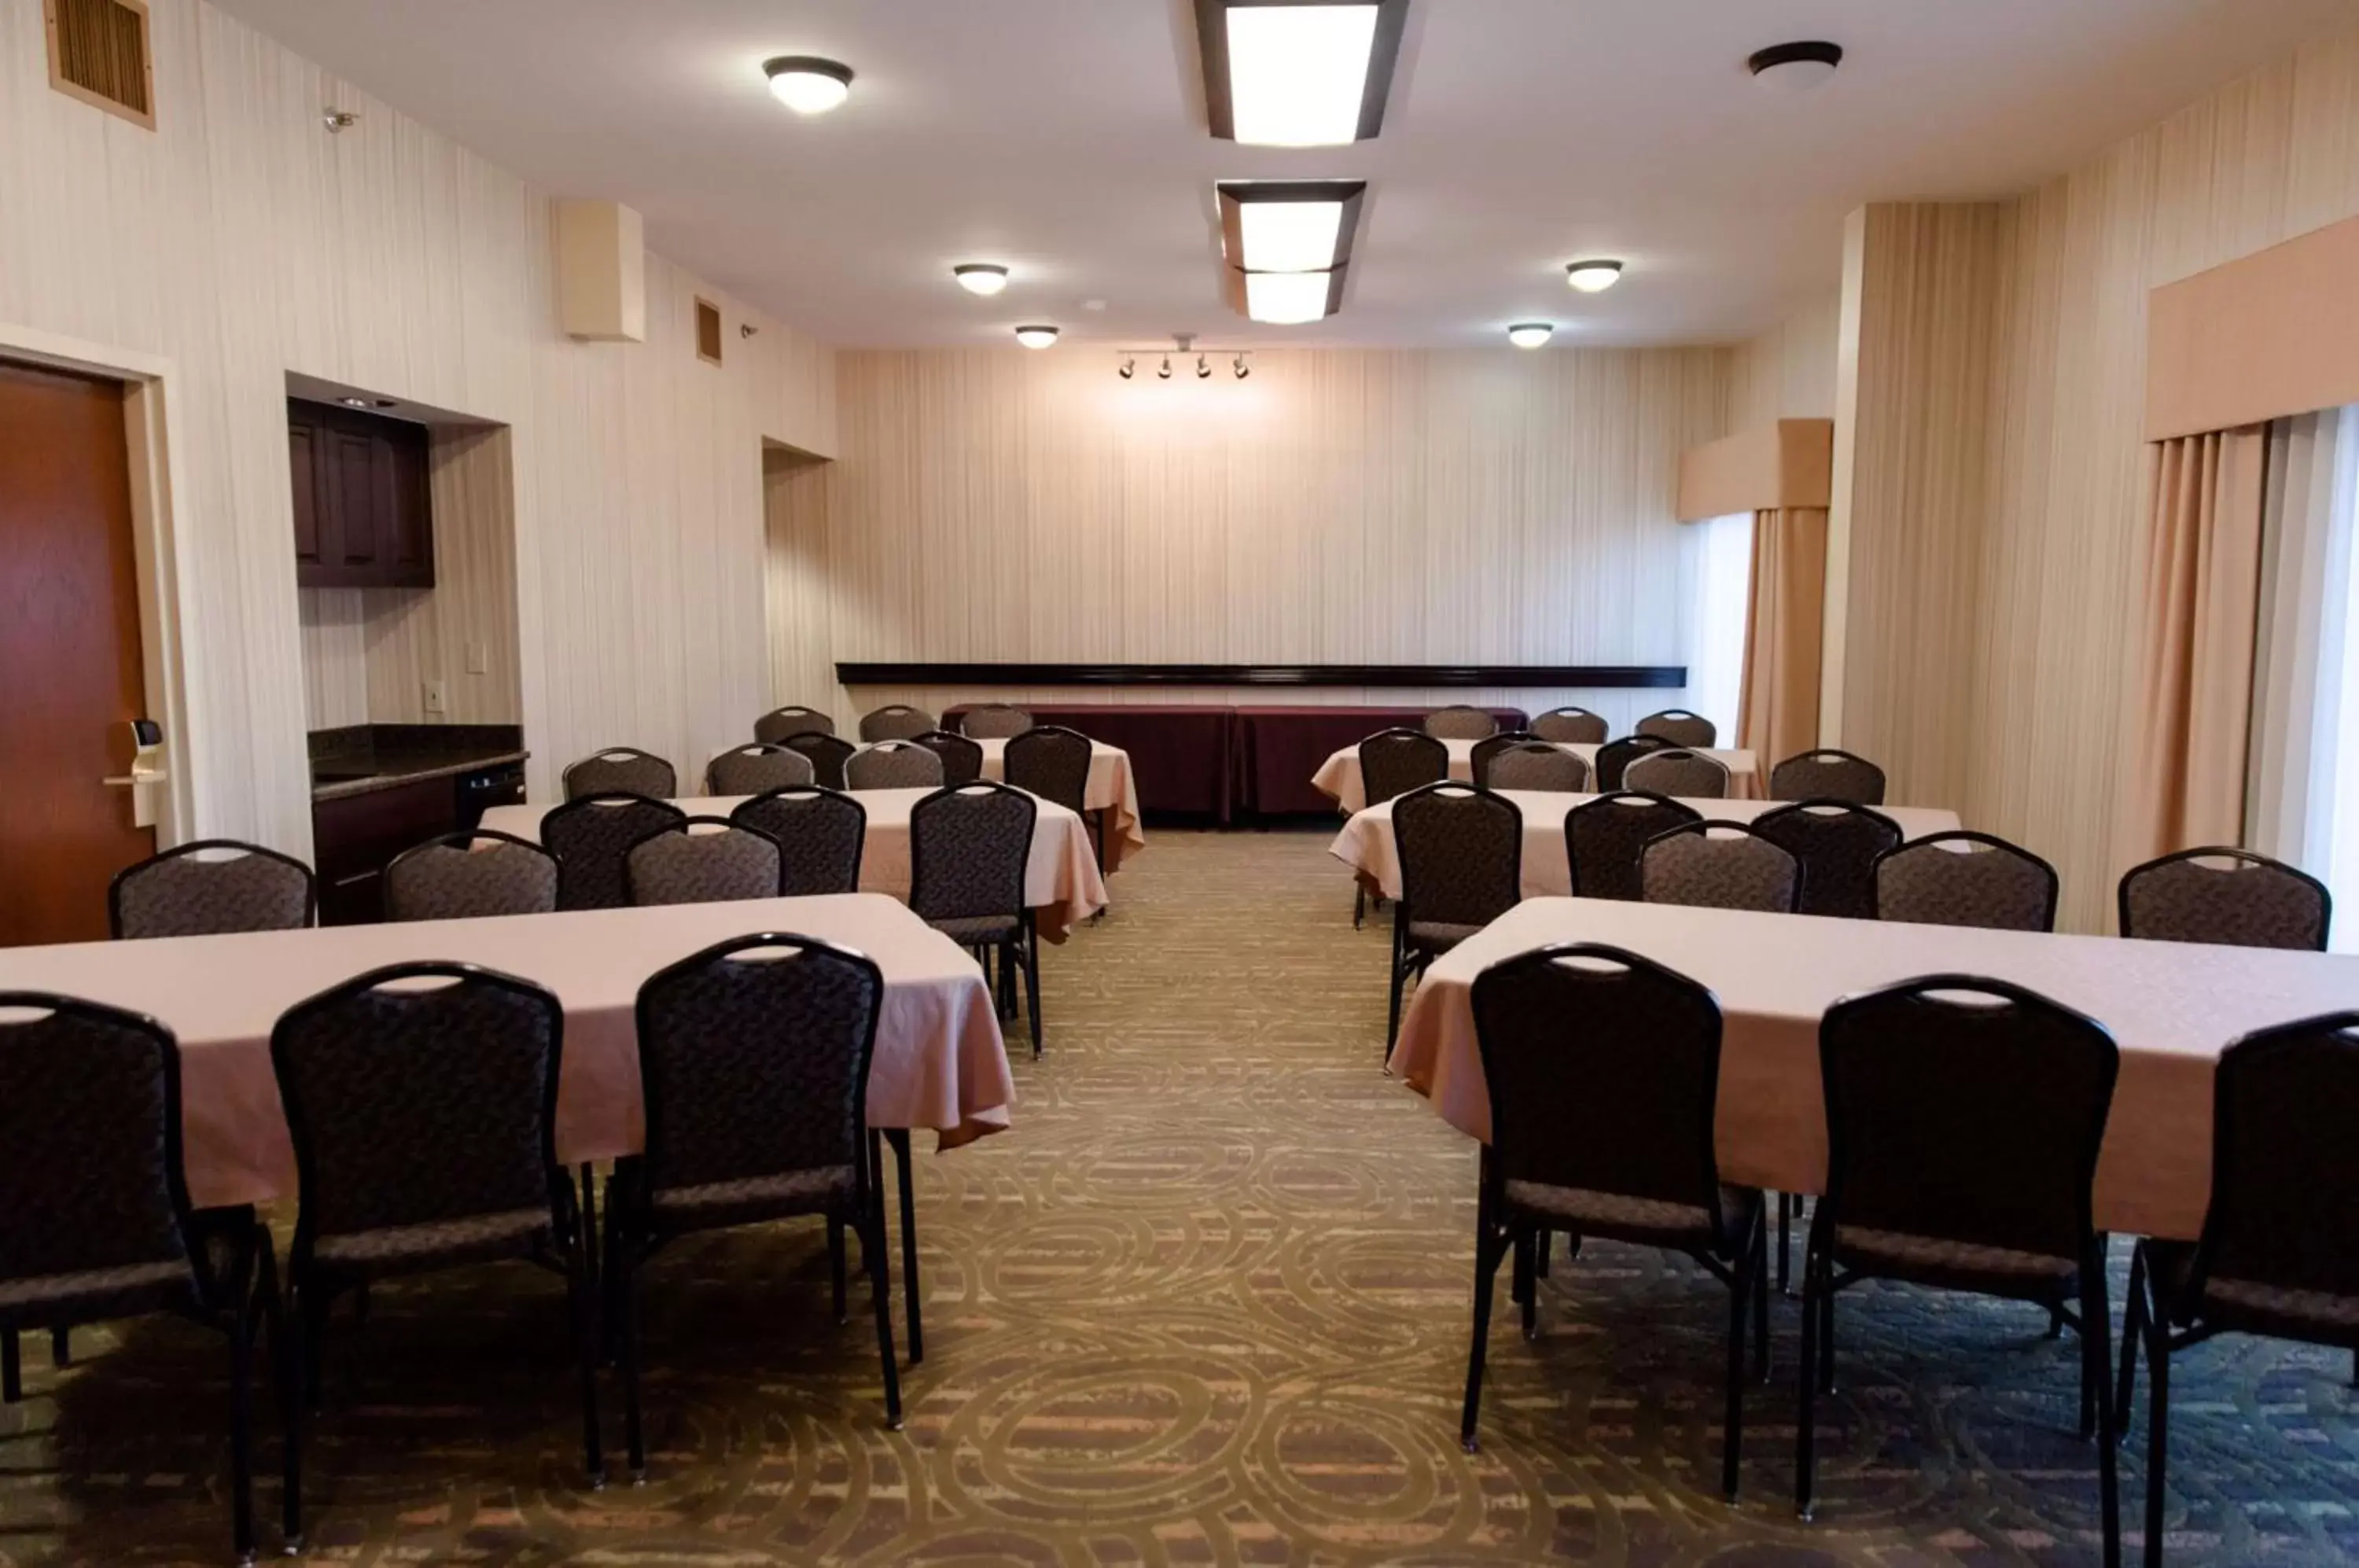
(1066, 138)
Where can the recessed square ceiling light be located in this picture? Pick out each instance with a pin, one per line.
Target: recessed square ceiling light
(1289, 299)
(1297, 74)
(1288, 236)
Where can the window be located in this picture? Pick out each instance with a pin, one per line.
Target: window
(1720, 590)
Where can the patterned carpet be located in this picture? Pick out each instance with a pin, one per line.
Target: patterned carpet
(1207, 1302)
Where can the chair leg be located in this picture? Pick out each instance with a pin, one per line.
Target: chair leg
(1359, 906)
(2096, 1325)
(1490, 1246)
(241, 1425)
(294, 1401)
(1030, 960)
(1541, 1248)
(1806, 1415)
(871, 1227)
(1826, 1328)
(835, 1263)
(1528, 1274)
(2157, 1424)
(2134, 1312)
(1399, 974)
(582, 1301)
(12, 1372)
(1786, 1205)
(1740, 1298)
(899, 1140)
(60, 1348)
(1761, 1301)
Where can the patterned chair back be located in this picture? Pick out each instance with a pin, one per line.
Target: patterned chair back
(1536, 765)
(994, 721)
(1578, 725)
(1838, 843)
(827, 754)
(1392, 762)
(961, 758)
(2282, 1216)
(1828, 775)
(1053, 763)
(1681, 727)
(754, 1059)
(782, 724)
(968, 851)
(1604, 838)
(703, 860)
(1460, 722)
(462, 876)
(211, 885)
(756, 770)
(2231, 897)
(1719, 866)
(1967, 1110)
(420, 1093)
(622, 771)
(1679, 773)
(1462, 855)
(1614, 758)
(892, 765)
(90, 1115)
(590, 838)
(895, 721)
(1478, 761)
(1603, 1072)
(820, 835)
(1966, 879)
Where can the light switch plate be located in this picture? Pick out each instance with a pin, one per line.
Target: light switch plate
(437, 697)
(479, 657)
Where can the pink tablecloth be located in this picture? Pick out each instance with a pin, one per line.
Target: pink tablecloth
(1111, 789)
(1061, 883)
(2172, 1007)
(1339, 776)
(939, 1060)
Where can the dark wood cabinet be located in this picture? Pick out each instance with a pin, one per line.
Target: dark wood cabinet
(362, 515)
(352, 837)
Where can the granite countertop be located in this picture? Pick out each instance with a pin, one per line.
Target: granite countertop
(362, 758)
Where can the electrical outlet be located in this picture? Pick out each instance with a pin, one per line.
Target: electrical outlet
(437, 697)
(479, 657)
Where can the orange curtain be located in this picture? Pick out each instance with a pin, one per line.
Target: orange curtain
(1778, 713)
(2183, 781)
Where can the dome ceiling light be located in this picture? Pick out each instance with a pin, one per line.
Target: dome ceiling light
(982, 278)
(808, 84)
(1796, 66)
(1593, 277)
(1037, 336)
(1530, 334)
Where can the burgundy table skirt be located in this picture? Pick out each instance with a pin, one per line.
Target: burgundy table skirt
(1280, 748)
(1181, 754)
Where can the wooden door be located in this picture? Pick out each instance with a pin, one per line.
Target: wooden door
(71, 678)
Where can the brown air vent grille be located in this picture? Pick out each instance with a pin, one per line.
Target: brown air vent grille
(708, 331)
(99, 53)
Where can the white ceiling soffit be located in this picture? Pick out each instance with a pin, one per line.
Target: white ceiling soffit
(1068, 139)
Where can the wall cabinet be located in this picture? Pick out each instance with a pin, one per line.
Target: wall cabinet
(362, 515)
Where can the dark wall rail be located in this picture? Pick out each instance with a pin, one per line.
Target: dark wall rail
(1594, 675)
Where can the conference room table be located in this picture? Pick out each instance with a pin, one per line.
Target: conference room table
(1339, 777)
(1367, 846)
(941, 1063)
(1061, 884)
(2171, 1006)
(1111, 795)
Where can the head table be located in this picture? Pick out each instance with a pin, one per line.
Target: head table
(1339, 777)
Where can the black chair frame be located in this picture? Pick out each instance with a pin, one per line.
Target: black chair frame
(114, 884)
(2225, 852)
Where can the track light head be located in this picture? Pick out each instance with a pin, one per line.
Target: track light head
(1164, 374)
(1203, 369)
(1244, 369)
(1129, 368)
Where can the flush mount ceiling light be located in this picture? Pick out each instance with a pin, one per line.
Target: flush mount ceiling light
(1530, 334)
(1593, 277)
(1037, 336)
(808, 84)
(980, 276)
(1298, 72)
(1287, 242)
(1796, 66)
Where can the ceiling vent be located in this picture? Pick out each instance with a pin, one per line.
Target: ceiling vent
(99, 53)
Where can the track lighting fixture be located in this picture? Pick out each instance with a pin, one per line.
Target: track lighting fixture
(1129, 368)
(1170, 362)
(1243, 370)
(1203, 369)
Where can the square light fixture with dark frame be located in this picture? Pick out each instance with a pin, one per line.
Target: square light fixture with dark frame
(1285, 243)
(1298, 72)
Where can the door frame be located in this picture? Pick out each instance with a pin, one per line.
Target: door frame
(150, 384)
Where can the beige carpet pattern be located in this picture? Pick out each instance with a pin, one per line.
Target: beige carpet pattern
(1207, 1302)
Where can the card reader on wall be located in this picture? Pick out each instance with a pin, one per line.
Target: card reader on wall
(147, 769)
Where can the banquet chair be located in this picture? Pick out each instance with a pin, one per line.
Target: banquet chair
(211, 885)
(1963, 878)
(1603, 1073)
(1536, 765)
(1461, 866)
(968, 851)
(2231, 897)
(1964, 1119)
(826, 755)
(896, 721)
(994, 721)
(99, 1224)
(464, 875)
(1478, 762)
(1614, 758)
(1828, 775)
(1053, 763)
(1837, 843)
(622, 771)
(754, 1065)
(421, 1101)
(1679, 773)
(752, 769)
(892, 765)
(678, 864)
(1392, 762)
(1604, 838)
(590, 838)
(820, 834)
(1460, 722)
(2278, 1257)
(1719, 866)
(1578, 725)
(961, 758)
(1680, 727)
(782, 724)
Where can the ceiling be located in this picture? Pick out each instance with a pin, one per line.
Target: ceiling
(1065, 138)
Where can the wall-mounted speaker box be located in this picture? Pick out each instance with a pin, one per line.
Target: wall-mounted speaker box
(601, 271)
